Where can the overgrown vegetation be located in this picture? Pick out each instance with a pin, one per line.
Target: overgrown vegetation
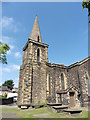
(3, 51)
(3, 97)
(9, 84)
(86, 4)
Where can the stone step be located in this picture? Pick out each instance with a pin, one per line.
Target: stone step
(24, 106)
(72, 111)
(38, 106)
(54, 104)
(60, 109)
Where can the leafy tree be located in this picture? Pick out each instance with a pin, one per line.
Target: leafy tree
(3, 51)
(9, 84)
(86, 4)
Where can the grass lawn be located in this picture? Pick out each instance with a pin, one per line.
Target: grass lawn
(41, 113)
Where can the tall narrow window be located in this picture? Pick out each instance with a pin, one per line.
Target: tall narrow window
(62, 82)
(38, 55)
(38, 38)
(48, 82)
(49, 86)
(88, 85)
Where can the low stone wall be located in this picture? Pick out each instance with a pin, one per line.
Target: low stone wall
(6, 101)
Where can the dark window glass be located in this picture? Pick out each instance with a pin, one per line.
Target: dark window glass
(49, 86)
(62, 81)
(38, 55)
(38, 38)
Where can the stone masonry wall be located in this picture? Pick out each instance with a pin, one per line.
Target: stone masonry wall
(75, 77)
(55, 80)
(33, 78)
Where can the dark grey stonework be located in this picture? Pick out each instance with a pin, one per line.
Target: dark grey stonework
(40, 80)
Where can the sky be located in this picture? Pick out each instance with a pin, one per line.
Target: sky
(63, 26)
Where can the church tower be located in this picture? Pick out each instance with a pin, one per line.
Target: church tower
(32, 77)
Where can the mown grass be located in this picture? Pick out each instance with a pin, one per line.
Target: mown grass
(37, 113)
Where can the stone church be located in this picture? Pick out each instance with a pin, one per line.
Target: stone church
(41, 81)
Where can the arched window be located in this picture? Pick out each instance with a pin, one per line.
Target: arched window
(88, 85)
(48, 82)
(62, 82)
(38, 55)
(49, 85)
(87, 81)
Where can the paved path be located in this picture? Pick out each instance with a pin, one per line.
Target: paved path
(45, 115)
(9, 106)
(85, 108)
(9, 115)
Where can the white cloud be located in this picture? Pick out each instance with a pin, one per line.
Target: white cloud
(11, 68)
(16, 84)
(8, 23)
(1, 83)
(6, 69)
(11, 46)
(10, 51)
(16, 67)
(17, 79)
(17, 54)
(0, 70)
(7, 40)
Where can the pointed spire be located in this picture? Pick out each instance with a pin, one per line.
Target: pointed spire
(35, 34)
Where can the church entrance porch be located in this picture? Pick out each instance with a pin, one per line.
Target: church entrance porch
(72, 99)
(62, 97)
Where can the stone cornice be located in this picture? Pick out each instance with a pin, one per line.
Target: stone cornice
(25, 46)
(55, 65)
(79, 63)
(35, 42)
(70, 66)
(38, 43)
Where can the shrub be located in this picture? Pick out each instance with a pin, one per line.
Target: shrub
(5, 95)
